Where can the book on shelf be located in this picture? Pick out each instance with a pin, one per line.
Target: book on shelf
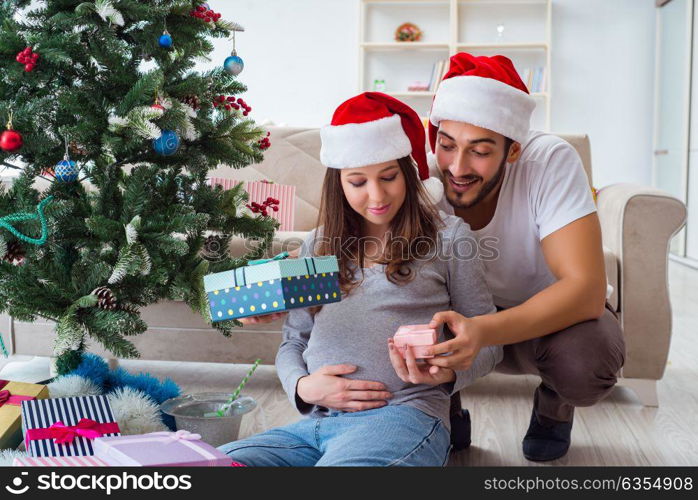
(534, 79)
(439, 69)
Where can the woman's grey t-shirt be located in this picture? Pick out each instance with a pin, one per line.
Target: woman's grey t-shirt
(356, 330)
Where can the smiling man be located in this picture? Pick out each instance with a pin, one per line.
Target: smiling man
(527, 192)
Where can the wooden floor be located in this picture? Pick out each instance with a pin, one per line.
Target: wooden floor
(617, 431)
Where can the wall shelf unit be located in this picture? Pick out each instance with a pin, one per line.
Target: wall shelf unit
(518, 29)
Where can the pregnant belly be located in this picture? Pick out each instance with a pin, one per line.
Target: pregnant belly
(375, 366)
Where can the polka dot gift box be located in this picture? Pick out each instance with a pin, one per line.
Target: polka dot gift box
(272, 285)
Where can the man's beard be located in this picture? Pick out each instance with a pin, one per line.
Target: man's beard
(486, 189)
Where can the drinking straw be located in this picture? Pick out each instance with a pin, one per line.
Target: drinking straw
(226, 406)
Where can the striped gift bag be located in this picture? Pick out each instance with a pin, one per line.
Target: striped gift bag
(259, 191)
(75, 421)
(58, 462)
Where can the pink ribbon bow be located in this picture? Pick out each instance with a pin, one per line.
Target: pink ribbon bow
(86, 428)
(180, 435)
(62, 434)
(6, 397)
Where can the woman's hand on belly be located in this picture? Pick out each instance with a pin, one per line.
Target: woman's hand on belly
(409, 371)
(326, 387)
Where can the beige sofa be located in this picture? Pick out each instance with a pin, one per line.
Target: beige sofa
(637, 225)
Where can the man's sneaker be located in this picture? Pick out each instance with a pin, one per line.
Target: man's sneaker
(460, 430)
(546, 439)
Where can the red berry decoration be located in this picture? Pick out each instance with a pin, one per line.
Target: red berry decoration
(10, 141)
(262, 209)
(28, 58)
(231, 102)
(204, 13)
(264, 143)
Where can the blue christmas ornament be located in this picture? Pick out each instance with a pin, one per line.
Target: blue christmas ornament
(167, 143)
(165, 40)
(66, 171)
(234, 64)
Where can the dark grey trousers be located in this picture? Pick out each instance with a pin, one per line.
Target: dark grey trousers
(577, 365)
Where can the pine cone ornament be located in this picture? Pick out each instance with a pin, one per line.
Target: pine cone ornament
(192, 101)
(106, 297)
(76, 148)
(15, 253)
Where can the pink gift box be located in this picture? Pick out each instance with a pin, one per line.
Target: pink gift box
(160, 449)
(415, 336)
(58, 462)
(259, 191)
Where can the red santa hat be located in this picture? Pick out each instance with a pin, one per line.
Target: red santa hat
(374, 128)
(486, 92)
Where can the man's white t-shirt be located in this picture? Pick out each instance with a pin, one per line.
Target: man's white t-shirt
(543, 191)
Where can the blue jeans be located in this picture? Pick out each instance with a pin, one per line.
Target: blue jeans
(398, 435)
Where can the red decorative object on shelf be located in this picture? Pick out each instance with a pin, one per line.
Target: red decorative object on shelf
(408, 32)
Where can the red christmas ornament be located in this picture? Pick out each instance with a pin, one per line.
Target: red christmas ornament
(10, 141)
(157, 105)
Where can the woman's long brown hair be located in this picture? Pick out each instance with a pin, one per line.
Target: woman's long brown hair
(413, 230)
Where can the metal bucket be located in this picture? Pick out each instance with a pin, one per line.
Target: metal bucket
(189, 410)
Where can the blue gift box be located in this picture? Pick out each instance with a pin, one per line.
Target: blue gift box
(274, 285)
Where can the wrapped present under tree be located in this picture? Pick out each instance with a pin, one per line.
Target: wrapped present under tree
(160, 449)
(66, 426)
(11, 396)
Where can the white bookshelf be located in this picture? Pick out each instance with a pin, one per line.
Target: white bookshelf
(451, 26)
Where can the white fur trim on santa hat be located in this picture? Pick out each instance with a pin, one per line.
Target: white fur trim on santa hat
(486, 103)
(360, 144)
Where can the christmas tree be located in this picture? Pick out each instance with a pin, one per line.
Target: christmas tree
(102, 101)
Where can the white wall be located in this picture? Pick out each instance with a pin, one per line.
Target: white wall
(603, 83)
(301, 62)
(301, 56)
